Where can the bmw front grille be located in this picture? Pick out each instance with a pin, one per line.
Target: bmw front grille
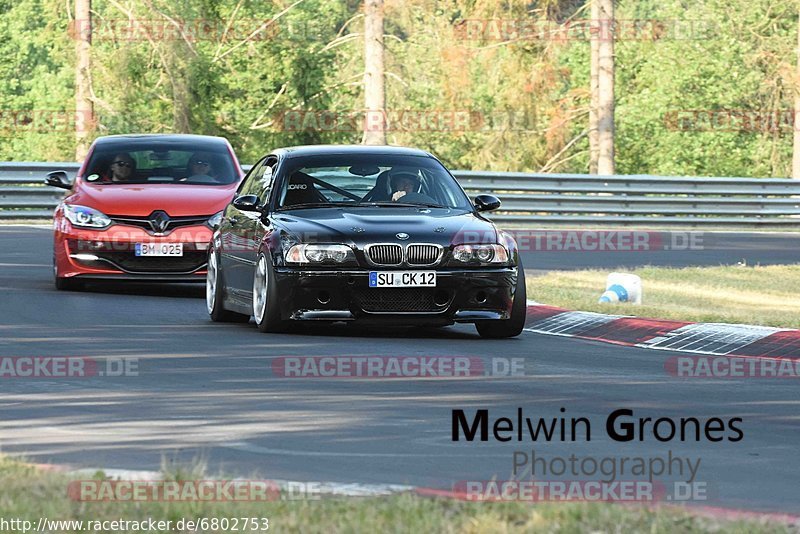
(392, 254)
(388, 254)
(421, 254)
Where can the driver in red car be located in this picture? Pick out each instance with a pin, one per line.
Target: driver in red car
(122, 167)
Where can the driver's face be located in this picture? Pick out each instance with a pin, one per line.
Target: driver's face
(200, 167)
(405, 184)
(121, 168)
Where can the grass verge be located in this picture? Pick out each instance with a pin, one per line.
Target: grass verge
(768, 295)
(30, 493)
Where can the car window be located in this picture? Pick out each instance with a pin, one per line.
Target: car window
(250, 184)
(259, 180)
(266, 179)
(360, 179)
(179, 164)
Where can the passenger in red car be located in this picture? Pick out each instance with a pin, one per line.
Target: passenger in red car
(200, 169)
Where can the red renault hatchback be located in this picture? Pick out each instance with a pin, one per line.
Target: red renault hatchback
(142, 207)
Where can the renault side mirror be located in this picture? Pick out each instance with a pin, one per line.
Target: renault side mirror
(58, 179)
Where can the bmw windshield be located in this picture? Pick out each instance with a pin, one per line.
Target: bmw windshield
(374, 180)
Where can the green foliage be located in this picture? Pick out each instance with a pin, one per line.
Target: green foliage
(36, 82)
(737, 64)
(527, 99)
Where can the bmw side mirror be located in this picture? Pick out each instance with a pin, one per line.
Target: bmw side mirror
(58, 179)
(486, 202)
(247, 203)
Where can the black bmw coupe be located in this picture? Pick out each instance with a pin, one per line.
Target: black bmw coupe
(376, 235)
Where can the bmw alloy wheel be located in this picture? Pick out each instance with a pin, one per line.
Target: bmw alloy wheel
(260, 290)
(211, 282)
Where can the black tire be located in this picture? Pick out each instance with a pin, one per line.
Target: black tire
(68, 284)
(214, 294)
(265, 305)
(509, 327)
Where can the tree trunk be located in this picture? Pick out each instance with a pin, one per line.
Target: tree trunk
(796, 125)
(178, 72)
(605, 85)
(594, 43)
(374, 77)
(84, 108)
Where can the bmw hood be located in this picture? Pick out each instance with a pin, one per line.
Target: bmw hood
(373, 225)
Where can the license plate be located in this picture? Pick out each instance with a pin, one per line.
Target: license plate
(402, 279)
(159, 249)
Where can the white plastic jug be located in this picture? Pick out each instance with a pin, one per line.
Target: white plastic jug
(622, 287)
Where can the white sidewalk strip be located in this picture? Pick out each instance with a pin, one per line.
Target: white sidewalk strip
(571, 323)
(700, 338)
(710, 338)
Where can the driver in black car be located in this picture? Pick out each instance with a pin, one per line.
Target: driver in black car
(406, 188)
(403, 183)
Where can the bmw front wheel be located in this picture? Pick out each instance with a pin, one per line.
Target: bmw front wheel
(508, 327)
(265, 298)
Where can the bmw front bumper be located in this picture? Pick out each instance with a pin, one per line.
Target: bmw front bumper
(460, 295)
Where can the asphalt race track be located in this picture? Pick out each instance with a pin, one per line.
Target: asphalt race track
(207, 391)
(670, 249)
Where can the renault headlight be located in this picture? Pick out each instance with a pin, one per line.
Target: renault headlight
(85, 217)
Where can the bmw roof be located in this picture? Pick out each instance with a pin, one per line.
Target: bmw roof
(324, 150)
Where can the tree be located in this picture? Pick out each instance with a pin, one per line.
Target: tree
(374, 75)
(605, 87)
(594, 43)
(795, 125)
(84, 108)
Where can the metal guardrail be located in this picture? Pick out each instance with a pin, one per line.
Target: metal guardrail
(540, 199)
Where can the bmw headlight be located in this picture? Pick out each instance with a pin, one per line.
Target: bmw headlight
(305, 253)
(481, 254)
(85, 217)
(214, 220)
